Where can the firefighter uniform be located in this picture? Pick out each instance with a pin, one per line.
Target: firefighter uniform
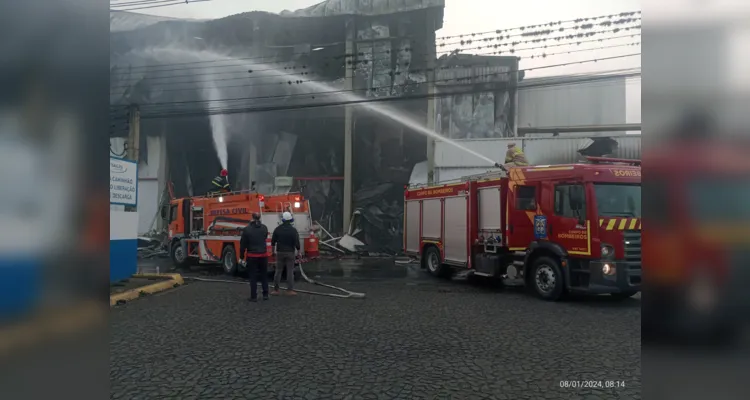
(514, 157)
(220, 184)
(253, 250)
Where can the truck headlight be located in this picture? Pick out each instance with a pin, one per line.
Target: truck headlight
(608, 251)
(296, 204)
(608, 269)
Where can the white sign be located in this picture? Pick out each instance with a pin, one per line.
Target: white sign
(123, 182)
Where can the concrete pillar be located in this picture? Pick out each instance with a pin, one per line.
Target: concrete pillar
(134, 140)
(252, 163)
(431, 99)
(348, 122)
(162, 175)
(134, 133)
(513, 98)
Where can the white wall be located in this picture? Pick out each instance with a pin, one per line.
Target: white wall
(151, 178)
(574, 104)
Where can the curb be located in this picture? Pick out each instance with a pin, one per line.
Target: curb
(169, 281)
(50, 325)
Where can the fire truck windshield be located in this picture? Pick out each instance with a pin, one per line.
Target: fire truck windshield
(719, 199)
(618, 200)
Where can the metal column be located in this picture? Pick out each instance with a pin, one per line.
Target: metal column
(431, 99)
(348, 123)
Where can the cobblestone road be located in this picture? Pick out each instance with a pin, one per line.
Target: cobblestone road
(413, 337)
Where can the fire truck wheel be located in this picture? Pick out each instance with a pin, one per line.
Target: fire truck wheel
(624, 295)
(547, 278)
(434, 263)
(229, 260)
(179, 258)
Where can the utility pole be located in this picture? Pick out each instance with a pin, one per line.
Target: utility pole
(431, 101)
(252, 157)
(134, 139)
(134, 133)
(348, 123)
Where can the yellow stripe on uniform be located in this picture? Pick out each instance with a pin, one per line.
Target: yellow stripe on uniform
(611, 224)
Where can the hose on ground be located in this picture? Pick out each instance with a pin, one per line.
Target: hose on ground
(347, 294)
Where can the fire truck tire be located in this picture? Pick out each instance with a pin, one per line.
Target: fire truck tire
(178, 256)
(229, 260)
(624, 295)
(434, 263)
(547, 278)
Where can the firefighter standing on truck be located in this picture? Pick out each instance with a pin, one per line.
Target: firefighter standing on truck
(514, 157)
(285, 241)
(253, 252)
(220, 184)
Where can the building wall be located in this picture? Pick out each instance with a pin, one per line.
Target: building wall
(123, 244)
(575, 104)
(453, 163)
(151, 178)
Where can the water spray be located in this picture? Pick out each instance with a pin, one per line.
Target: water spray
(218, 121)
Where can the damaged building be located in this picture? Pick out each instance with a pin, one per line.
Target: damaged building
(371, 49)
(265, 94)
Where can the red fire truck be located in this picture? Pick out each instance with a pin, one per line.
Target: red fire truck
(206, 229)
(698, 238)
(560, 228)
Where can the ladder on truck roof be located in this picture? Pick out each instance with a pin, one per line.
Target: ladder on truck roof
(220, 194)
(482, 176)
(608, 160)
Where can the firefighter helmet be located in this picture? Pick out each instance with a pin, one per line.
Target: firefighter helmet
(287, 216)
(224, 172)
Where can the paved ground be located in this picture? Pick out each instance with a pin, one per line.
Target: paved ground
(413, 337)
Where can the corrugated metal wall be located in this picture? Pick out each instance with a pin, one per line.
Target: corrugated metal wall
(452, 162)
(577, 104)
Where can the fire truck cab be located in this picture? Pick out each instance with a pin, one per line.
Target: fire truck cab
(207, 229)
(558, 229)
(698, 246)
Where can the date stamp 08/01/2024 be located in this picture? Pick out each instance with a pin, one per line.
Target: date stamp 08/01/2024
(583, 384)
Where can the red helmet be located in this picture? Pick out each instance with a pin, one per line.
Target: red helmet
(224, 172)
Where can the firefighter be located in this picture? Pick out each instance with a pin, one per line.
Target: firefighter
(220, 184)
(253, 253)
(285, 242)
(514, 157)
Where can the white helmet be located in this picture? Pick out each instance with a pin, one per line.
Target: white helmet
(287, 216)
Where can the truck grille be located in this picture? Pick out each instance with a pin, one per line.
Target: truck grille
(632, 248)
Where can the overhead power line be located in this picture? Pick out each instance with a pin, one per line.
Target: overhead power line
(615, 27)
(624, 14)
(539, 33)
(340, 92)
(154, 108)
(574, 78)
(153, 4)
(280, 80)
(294, 75)
(246, 110)
(355, 63)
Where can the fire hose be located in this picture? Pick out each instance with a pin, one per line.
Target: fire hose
(347, 294)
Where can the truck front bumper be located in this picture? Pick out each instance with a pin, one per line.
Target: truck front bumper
(624, 279)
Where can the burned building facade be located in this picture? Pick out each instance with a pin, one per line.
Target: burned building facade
(293, 94)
